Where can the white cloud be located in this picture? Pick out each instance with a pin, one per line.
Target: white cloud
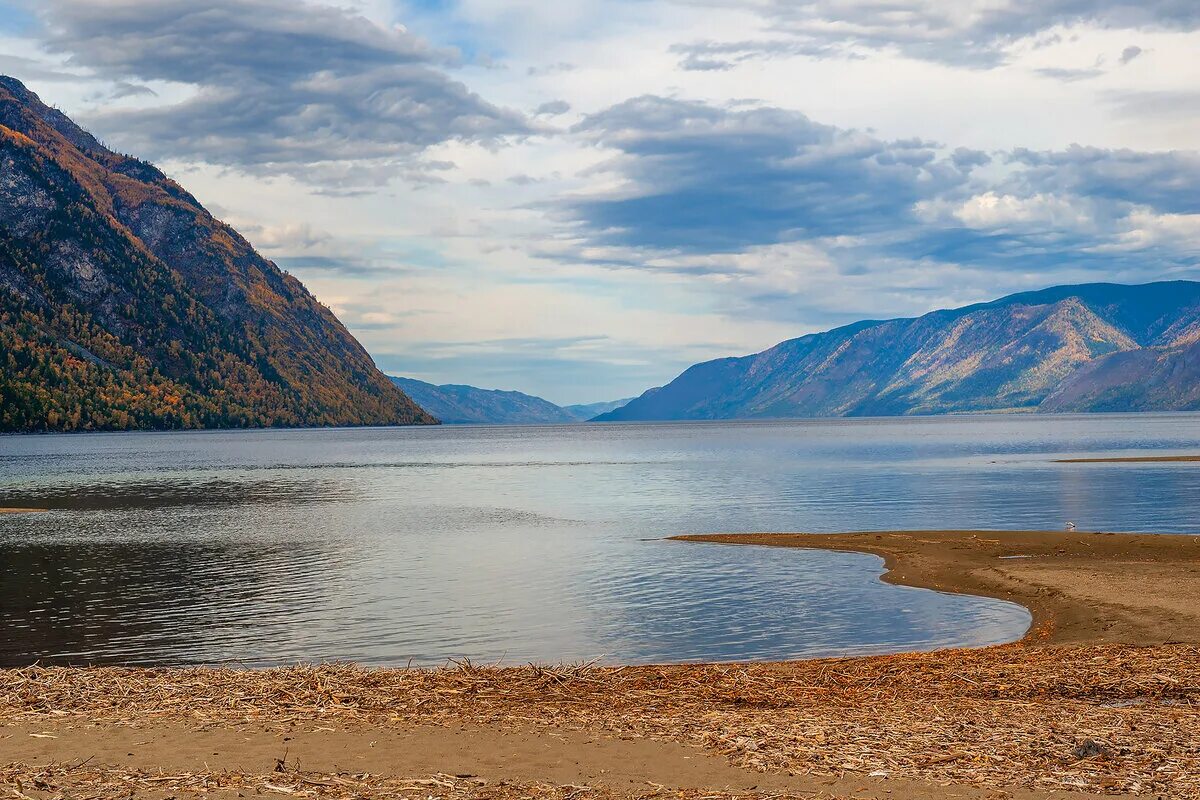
(997, 211)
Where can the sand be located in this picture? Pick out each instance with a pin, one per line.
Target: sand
(1128, 460)
(1093, 702)
(22, 510)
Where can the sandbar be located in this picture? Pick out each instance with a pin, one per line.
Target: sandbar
(1129, 460)
(1082, 588)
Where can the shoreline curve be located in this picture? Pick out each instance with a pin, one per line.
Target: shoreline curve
(1130, 460)
(1080, 588)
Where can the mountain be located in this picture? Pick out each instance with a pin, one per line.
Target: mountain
(588, 411)
(1148, 379)
(1093, 347)
(455, 404)
(125, 304)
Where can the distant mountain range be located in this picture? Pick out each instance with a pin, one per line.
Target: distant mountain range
(455, 404)
(589, 411)
(1093, 347)
(124, 304)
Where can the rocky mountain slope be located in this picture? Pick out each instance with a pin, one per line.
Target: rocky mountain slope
(1093, 347)
(125, 304)
(458, 404)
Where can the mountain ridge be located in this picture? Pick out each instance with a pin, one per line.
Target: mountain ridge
(1013, 353)
(457, 404)
(124, 304)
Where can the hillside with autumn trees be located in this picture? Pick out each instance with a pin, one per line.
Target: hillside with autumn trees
(125, 305)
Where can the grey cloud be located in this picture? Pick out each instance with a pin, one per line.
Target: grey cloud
(1166, 182)
(281, 86)
(956, 32)
(550, 69)
(213, 41)
(964, 158)
(717, 56)
(694, 63)
(125, 89)
(705, 189)
(348, 266)
(553, 108)
(1130, 53)
(708, 179)
(1070, 75)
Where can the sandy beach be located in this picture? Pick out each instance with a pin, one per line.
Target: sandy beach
(1098, 700)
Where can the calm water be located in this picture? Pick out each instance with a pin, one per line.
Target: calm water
(536, 543)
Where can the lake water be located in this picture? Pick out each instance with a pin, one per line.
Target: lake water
(391, 546)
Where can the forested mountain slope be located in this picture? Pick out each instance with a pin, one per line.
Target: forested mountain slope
(124, 304)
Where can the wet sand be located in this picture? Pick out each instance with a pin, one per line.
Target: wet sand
(1092, 703)
(23, 510)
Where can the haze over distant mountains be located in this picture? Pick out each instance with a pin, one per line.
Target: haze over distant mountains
(124, 304)
(457, 404)
(1092, 347)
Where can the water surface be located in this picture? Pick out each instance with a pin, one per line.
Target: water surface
(391, 546)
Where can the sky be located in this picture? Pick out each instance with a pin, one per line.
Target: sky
(579, 199)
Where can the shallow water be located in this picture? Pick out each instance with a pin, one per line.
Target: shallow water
(537, 543)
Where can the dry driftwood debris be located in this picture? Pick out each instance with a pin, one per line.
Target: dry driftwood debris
(1103, 718)
(99, 783)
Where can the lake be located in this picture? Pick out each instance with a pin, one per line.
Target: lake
(391, 546)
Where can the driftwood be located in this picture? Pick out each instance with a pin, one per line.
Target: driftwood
(1103, 718)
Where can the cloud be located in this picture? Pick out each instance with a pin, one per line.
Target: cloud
(1181, 105)
(1130, 53)
(1164, 182)
(550, 69)
(1070, 75)
(277, 85)
(288, 237)
(709, 56)
(124, 89)
(698, 178)
(28, 69)
(729, 195)
(973, 33)
(1094, 209)
(553, 108)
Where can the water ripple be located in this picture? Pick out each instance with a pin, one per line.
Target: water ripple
(535, 544)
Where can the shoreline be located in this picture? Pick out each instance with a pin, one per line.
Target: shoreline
(1130, 460)
(1092, 704)
(1080, 588)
